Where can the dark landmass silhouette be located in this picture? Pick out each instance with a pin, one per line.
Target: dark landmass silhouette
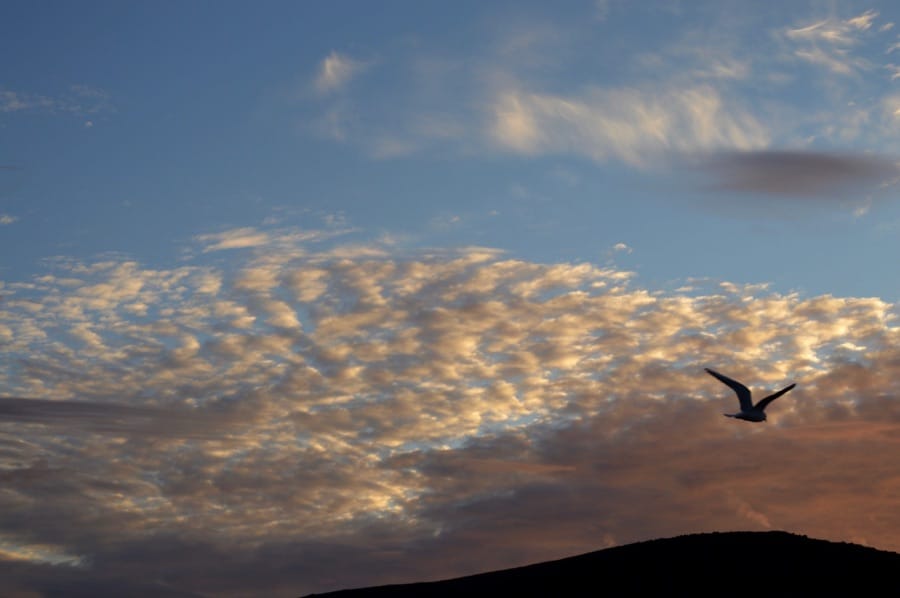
(712, 564)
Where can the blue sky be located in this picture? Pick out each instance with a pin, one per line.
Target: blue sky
(136, 127)
(316, 284)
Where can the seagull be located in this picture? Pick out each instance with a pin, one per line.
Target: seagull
(749, 412)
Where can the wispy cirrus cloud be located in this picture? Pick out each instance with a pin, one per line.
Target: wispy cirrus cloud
(250, 237)
(835, 31)
(233, 239)
(516, 112)
(829, 43)
(631, 125)
(11, 101)
(336, 71)
(78, 99)
(360, 404)
(689, 93)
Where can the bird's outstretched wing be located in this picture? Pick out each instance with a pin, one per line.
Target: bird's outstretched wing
(743, 393)
(763, 403)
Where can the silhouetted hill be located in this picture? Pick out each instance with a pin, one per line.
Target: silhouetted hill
(716, 564)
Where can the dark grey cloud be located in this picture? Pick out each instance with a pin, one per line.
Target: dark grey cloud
(73, 416)
(799, 173)
(28, 579)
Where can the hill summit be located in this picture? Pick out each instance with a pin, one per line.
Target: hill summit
(711, 564)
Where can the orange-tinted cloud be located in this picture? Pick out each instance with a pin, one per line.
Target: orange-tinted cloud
(361, 415)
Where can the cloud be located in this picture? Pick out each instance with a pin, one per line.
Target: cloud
(746, 511)
(800, 173)
(311, 416)
(835, 31)
(503, 102)
(836, 62)
(233, 239)
(112, 418)
(11, 101)
(419, 111)
(698, 89)
(6, 219)
(86, 99)
(626, 124)
(250, 237)
(828, 43)
(335, 72)
(78, 99)
(725, 68)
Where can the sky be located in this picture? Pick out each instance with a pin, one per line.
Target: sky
(298, 296)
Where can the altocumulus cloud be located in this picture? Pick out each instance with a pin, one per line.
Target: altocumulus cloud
(313, 417)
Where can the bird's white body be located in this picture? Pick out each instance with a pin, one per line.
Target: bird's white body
(749, 412)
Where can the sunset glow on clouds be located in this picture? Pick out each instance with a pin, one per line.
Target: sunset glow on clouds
(293, 302)
(352, 403)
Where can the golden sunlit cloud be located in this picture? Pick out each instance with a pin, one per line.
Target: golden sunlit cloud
(417, 401)
(628, 124)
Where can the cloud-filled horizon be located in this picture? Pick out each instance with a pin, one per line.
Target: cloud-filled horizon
(362, 414)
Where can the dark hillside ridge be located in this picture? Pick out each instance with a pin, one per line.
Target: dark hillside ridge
(715, 564)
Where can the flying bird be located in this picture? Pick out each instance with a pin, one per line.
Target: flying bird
(749, 412)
